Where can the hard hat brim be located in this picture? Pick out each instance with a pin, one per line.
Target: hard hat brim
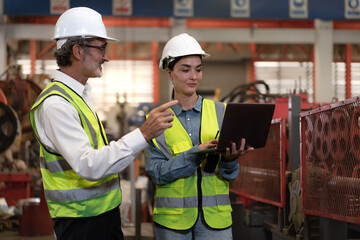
(203, 55)
(108, 39)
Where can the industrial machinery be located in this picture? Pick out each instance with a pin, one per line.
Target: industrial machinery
(19, 165)
(279, 199)
(330, 143)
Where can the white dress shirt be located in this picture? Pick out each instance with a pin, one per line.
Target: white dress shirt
(59, 127)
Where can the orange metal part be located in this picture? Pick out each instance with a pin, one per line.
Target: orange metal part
(154, 58)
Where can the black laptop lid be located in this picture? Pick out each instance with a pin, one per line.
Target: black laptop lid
(246, 120)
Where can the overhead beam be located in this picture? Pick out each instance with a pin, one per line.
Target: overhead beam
(346, 36)
(268, 35)
(242, 23)
(227, 35)
(29, 31)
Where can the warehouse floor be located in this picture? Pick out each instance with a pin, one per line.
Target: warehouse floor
(129, 232)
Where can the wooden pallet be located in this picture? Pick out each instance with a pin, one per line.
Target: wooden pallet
(7, 224)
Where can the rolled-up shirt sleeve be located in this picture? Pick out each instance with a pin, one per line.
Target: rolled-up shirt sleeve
(229, 170)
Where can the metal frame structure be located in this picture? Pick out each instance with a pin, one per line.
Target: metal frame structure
(257, 167)
(329, 161)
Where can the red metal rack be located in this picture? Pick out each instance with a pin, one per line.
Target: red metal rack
(330, 161)
(262, 171)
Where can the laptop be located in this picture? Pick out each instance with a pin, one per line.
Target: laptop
(244, 120)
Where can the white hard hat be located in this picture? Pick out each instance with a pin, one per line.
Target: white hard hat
(178, 46)
(80, 21)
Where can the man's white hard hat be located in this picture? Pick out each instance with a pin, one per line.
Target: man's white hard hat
(80, 22)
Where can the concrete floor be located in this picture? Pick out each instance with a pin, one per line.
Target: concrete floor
(14, 235)
(129, 232)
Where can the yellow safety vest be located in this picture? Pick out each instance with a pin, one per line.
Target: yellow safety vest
(176, 204)
(67, 194)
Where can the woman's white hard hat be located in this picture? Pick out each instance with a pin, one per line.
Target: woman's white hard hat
(179, 46)
(80, 22)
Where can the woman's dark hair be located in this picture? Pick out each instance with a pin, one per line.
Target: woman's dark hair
(63, 54)
(170, 62)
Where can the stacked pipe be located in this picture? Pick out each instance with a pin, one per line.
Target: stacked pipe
(330, 159)
(322, 136)
(309, 138)
(339, 127)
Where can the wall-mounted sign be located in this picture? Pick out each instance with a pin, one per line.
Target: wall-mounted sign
(122, 7)
(240, 8)
(59, 6)
(352, 8)
(298, 8)
(183, 8)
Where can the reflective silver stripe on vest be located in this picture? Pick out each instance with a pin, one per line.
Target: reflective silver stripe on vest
(55, 166)
(223, 199)
(59, 89)
(191, 202)
(161, 142)
(81, 194)
(220, 108)
(206, 174)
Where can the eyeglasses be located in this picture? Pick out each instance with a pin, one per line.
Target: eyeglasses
(101, 48)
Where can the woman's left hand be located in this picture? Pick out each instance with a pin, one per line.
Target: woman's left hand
(233, 153)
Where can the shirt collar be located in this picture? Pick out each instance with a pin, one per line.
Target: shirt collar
(197, 107)
(198, 104)
(71, 82)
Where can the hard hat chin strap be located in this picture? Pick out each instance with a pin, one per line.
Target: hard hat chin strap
(167, 61)
(60, 42)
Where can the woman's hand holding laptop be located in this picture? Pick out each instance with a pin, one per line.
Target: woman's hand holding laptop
(233, 153)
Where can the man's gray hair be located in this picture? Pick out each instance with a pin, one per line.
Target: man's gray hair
(63, 54)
